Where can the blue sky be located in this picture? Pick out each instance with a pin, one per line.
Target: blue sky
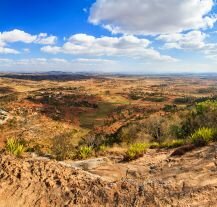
(139, 36)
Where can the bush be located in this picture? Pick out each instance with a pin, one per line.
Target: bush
(170, 108)
(135, 151)
(155, 99)
(173, 143)
(62, 146)
(215, 134)
(15, 147)
(85, 152)
(202, 136)
(184, 100)
(154, 145)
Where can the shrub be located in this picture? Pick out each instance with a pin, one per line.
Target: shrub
(215, 134)
(170, 108)
(155, 99)
(173, 143)
(184, 100)
(202, 136)
(135, 151)
(154, 145)
(62, 146)
(206, 106)
(85, 151)
(14, 147)
(155, 126)
(102, 148)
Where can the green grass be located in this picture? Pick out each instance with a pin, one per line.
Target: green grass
(172, 143)
(136, 150)
(85, 152)
(14, 147)
(89, 119)
(202, 136)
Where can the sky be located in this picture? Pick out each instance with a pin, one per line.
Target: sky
(109, 36)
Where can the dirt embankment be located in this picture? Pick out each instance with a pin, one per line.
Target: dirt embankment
(156, 180)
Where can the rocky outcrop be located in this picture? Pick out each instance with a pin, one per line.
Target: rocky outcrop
(89, 164)
(154, 180)
(4, 116)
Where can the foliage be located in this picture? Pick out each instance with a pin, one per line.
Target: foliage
(155, 126)
(85, 152)
(202, 136)
(206, 106)
(184, 100)
(15, 147)
(154, 145)
(203, 114)
(62, 146)
(173, 143)
(155, 99)
(136, 150)
(170, 108)
(102, 148)
(128, 133)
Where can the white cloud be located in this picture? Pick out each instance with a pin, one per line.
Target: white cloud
(191, 40)
(21, 36)
(44, 39)
(46, 64)
(94, 61)
(17, 36)
(59, 60)
(210, 51)
(26, 50)
(130, 46)
(152, 16)
(5, 50)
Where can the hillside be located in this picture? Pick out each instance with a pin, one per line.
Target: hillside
(157, 179)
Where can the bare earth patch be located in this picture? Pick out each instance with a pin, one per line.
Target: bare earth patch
(157, 179)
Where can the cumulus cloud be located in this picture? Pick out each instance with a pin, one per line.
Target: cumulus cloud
(5, 50)
(16, 36)
(191, 40)
(152, 17)
(44, 39)
(128, 45)
(21, 36)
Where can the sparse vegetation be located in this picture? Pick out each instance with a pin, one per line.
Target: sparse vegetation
(202, 136)
(62, 146)
(162, 112)
(84, 152)
(14, 147)
(172, 143)
(136, 150)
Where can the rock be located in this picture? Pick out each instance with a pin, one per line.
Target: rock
(133, 173)
(182, 150)
(88, 164)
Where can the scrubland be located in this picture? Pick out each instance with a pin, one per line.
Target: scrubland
(143, 125)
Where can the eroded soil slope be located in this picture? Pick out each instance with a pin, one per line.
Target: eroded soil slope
(154, 180)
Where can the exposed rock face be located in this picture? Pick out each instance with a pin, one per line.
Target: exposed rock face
(154, 180)
(4, 116)
(87, 164)
(28, 183)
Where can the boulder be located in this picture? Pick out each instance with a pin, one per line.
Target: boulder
(89, 164)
